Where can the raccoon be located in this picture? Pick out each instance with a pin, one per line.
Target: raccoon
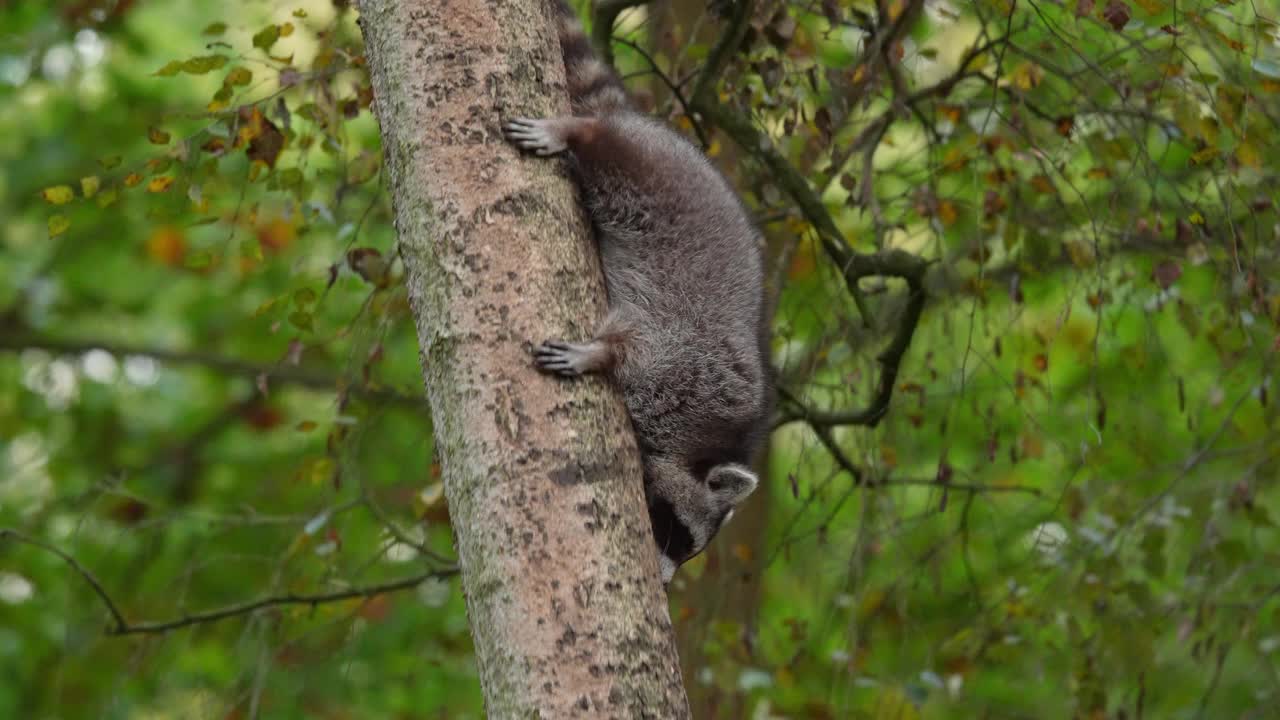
(685, 335)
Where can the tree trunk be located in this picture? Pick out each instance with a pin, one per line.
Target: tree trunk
(542, 475)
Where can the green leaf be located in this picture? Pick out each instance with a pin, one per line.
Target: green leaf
(89, 185)
(203, 64)
(238, 76)
(58, 194)
(290, 177)
(214, 29)
(300, 320)
(58, 224)
(266, 37)
(199, 260)
(171, 68)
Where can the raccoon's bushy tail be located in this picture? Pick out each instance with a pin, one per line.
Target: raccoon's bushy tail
(593, 86)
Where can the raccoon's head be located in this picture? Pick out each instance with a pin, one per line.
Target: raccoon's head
(688, 507)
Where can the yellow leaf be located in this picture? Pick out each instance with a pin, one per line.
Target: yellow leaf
(714, 149)
(947, 213)
(239, 76)
(893, 704)
(89, 185)
(306, 426)
(1209, 129)
(132, 179)
(1081, 253)
(1028, 76)
(58, 194)
(286, 29)
(889, 456)
(1042, 184)
(159, 184)
(321, 470)
(1248, 155)
(954, 160)
(1204, 156)
(58, 224)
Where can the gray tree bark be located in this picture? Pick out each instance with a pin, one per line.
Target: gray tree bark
(542, 476)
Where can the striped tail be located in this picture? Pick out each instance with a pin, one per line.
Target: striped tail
(594, 89)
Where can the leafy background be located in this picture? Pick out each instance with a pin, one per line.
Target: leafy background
(211, 421)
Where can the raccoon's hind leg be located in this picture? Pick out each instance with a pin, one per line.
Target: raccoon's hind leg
(548, 136)
(602, 353)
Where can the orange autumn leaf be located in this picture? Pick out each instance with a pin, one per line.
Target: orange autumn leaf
(167, 246)
(275, 234)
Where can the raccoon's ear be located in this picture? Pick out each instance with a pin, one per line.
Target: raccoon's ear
(731, 482)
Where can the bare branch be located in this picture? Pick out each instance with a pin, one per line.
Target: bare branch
(895, 263)
(81, 570)
(277, 372)
(245, 608)
(675, 90)
(720, 54)
(121, 626)
(606, 14)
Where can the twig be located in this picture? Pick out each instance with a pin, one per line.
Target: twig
(121, 626)
(277, 600)
(890, 360)
(676, 92)
(220, 363)
(606, 14)
(723, 50)
(81, 570)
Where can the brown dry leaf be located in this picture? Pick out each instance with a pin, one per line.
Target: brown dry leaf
(1166, 273)
(1117, 14)
(263, 137)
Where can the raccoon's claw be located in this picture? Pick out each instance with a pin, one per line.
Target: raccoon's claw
(536, 136)
(561, 358)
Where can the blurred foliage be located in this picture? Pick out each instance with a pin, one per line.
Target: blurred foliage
(211, 395)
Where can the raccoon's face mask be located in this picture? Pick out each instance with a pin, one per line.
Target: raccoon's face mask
(684, 522)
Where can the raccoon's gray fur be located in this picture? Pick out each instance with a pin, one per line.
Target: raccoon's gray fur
(685, 335)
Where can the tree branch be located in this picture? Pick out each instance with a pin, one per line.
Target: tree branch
(720, 54)
(278, 372)
(606, 14)
(81, 570)
(890, 358)
(121, 626)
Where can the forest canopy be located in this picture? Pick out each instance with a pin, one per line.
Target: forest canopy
(1024, 260)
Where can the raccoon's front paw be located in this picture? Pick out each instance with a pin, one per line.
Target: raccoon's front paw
(536, 136)
(564, 359)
